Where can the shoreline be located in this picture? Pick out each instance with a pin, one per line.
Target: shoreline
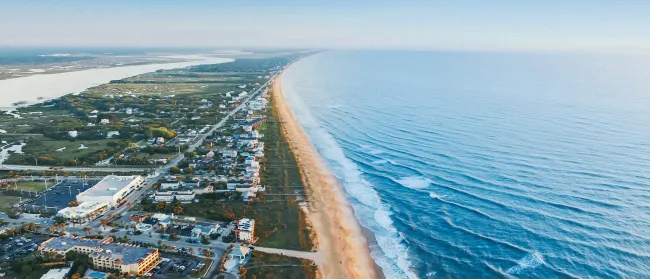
(55, 85)
(342, 244)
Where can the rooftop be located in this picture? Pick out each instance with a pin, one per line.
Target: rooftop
(64, 243)
(104, 248)
(109, 186)
(56, 273)
(127, 253)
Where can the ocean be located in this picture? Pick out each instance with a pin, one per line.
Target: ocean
(487, 165)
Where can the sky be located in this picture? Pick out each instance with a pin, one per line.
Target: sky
(351, 24)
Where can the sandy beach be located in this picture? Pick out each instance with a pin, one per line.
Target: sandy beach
(342, 247)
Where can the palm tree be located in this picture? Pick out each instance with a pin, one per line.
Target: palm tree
(87, 230)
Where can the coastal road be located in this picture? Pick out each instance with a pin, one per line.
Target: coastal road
(216, 126)
(72, 169)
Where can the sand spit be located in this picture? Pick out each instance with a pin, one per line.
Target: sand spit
(342, 246)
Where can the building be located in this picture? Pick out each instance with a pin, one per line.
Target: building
(56, 273)
(84, 210)
(229, 153)
(239, 253)
(111, 189)
(170, 185)
(245, 230)
(199, 230)
(104, 121)
(181, 196)
(106, 255)
(73, 134)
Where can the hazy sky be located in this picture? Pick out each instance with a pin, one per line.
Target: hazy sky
(405, 24)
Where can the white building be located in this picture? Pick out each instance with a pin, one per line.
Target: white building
(73, 134)
(84, 210)
(129, 111)
(112, 134)
(181, 196)
(104, 121)
(57, 273)
(229, 153)
(170, 185)
(245, 230)
(111, 189)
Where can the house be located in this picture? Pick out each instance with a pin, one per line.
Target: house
(104, 121)
(170, 185)
(73, 134)
(112, 134)
(239, 253)
(200, 230)
(229, 153)
(129, 111)
(249, 195)
(160, 140)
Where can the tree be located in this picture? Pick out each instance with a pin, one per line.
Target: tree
(26, 270)
(76, 276)
(87, 230)
(104, 221)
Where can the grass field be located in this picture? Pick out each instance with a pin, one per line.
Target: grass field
(6, 202)
(272, 266)
(47, 147)
(30, 186)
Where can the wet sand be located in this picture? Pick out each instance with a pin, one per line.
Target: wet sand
(342, 246)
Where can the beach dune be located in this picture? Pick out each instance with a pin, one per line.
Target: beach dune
(342, 246)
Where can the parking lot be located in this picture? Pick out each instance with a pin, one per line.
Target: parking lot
(174, 267)
(59, 196)
(19, 246)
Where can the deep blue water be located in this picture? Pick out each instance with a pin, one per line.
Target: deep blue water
(487, 165)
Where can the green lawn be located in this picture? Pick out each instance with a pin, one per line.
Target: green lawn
(30, 186)
(6, 202)
(43, 146)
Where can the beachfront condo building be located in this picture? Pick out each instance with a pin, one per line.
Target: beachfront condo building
(105, 254)
(245, 230)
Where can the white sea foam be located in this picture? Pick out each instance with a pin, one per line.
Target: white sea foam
(392, 255)
(530, 261)
(380, 162)
(434, 195)
(414, 182)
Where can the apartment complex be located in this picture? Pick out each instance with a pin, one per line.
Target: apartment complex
(105, 254)
(245, 230)
(181, 196)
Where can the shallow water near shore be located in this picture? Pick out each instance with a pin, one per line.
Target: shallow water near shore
(490, 165)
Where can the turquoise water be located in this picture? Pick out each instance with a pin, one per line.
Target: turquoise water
(487, 165)
(95, 274)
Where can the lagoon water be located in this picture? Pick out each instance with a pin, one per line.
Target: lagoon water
(49, 86)
(487, 165)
